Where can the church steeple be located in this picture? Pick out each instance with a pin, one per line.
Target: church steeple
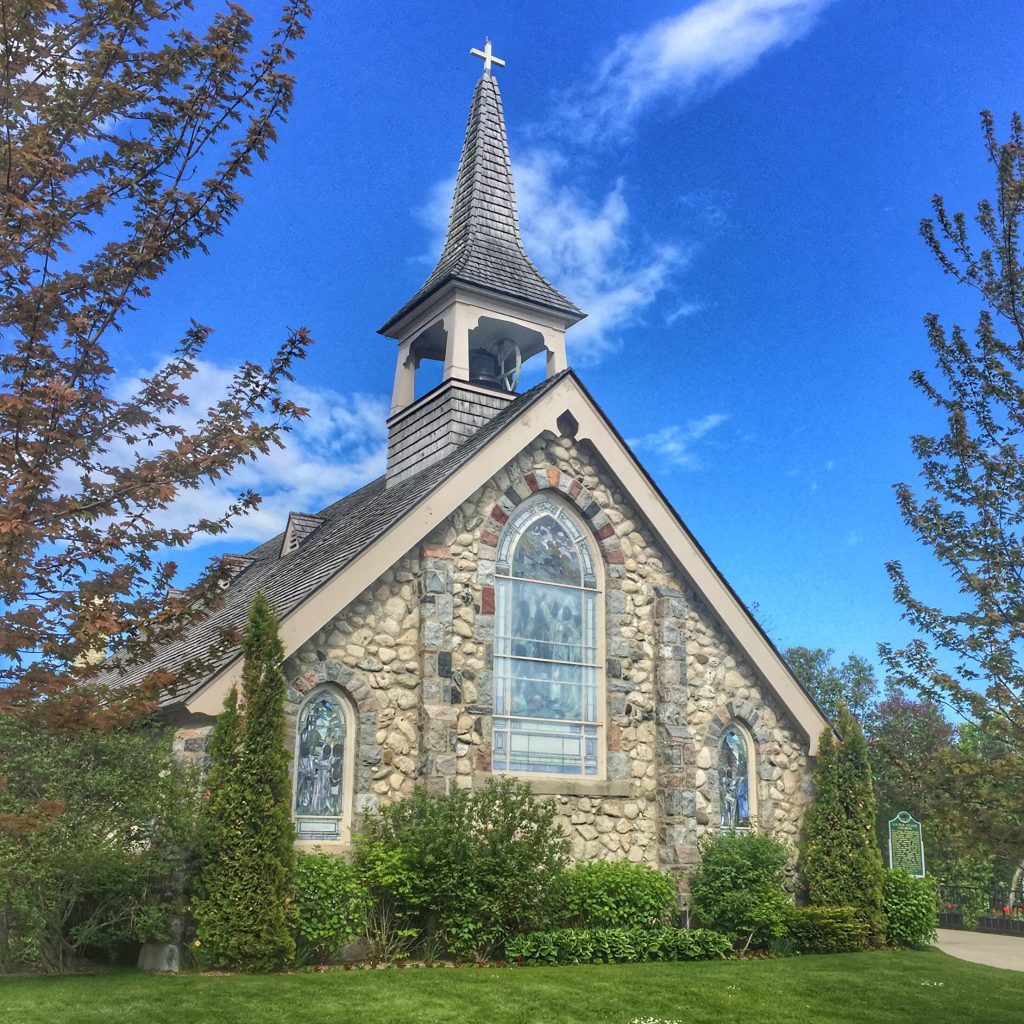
(483, 245)
(484, 309)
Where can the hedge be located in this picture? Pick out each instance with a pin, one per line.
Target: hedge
(826, 930)
(617, 945)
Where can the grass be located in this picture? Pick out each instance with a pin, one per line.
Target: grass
(878, 987)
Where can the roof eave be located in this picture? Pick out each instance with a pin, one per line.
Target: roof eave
(397, 326)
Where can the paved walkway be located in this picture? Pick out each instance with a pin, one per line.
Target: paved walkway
(984, 948)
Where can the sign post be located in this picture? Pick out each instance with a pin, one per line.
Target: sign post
(906, 844)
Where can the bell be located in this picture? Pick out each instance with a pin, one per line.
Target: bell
(496, 367)
(484, 369)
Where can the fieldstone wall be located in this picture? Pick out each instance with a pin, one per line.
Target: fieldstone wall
(370, 653)
(413, 656)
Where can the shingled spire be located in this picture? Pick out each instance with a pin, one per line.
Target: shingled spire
(483, 245)
(483, 312)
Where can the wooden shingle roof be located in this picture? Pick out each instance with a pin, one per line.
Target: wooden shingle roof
(483, 246)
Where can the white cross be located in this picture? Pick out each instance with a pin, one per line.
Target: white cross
(487, 57)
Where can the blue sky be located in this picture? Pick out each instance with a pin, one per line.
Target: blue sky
(732, 189)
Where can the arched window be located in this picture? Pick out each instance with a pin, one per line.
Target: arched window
(735, 788)
(547, 714)
(322, 775)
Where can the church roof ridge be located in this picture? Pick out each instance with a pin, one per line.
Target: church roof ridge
(483, 245)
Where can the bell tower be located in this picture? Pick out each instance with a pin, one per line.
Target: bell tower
(483, 311)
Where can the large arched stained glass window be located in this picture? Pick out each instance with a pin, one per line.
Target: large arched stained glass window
(320, 766)
(547, 609)
(734, 789)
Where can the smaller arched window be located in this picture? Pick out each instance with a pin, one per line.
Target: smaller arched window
(735, 784)
(321, 767)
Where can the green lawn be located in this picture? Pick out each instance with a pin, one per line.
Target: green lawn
(856, 987)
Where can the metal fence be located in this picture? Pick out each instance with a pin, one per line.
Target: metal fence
(981, 909)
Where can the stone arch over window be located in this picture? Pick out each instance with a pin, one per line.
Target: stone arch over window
(548, 644)
(736, 765)
(324, 763)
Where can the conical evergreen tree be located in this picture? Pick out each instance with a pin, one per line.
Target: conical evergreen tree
(217, 890)
(839, 857)
(243, 915)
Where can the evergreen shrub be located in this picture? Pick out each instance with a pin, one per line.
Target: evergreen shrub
(243, 908)
(615, 894)
(826, 930)
(468, 868)
(738, 889)
(911, 907)
(840, 861)
(330, 904)
(617, 945)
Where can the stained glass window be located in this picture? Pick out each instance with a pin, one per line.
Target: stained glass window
(320, 767)
(734, 779)
(546, 716)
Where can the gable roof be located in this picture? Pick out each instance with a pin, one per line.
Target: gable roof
(345, 529)
(367, 531)
(483, 245)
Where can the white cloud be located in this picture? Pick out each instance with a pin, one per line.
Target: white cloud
(692, 53)
(587, 247)
(686, 309)
(676, 444)
(338, 447)
(590, 251)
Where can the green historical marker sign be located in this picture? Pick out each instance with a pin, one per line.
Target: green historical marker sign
(906, 844)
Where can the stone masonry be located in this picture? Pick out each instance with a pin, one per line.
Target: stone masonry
(413, 657)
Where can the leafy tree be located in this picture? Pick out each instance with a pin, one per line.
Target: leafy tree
(839, 858)
(125, 138)
(968, 507)
(244, 917)
(853, 682)
(908, 745)
(93, 826)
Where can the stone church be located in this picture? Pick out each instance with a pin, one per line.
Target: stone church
(514, 596)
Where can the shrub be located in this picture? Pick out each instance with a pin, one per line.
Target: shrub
(617, 945)
(615, 894)
(738, 887)
(911, 905)
(826, 930)
(839, 856)
(243, 912)
(329, 900)
(472, 868)
(93, 826)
